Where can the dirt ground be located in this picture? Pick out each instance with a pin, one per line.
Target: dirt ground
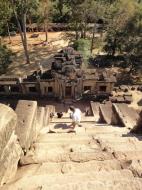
(39, 51)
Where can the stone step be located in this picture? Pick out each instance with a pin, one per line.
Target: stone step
(75, 146)
(51, 168)
(73, 137)
(61, 128)
(61, 155)
(114, 138)
(128, 155)
(133, 184)
(50, 181)
(68, 120)
(106, 130)
(61, 142)
(87, 127)
(64, 137)
(121, 146)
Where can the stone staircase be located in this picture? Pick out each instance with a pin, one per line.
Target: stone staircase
(96, 157)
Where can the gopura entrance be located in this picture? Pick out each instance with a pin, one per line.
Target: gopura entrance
(68, 91)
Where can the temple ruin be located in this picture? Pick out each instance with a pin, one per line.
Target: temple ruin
(65, 79)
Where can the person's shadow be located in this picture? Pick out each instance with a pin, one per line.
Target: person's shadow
(61, 126)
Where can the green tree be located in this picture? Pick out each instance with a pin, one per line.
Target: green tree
(5, 58)
(61, 11)
(44, 12)
(83, 46)
(5, 15)
(118, 15)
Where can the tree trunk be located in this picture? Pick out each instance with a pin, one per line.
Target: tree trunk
(76, 31)
(93, 37)
(82, 33)
(85, 29)
(60, 6)
(46, 30)
(25, 39)
(8, 33)
(114, 47)
(0, 40)
(30, 24)
(76, 34)
(45, 16)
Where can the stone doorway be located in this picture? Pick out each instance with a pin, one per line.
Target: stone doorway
(68, 91)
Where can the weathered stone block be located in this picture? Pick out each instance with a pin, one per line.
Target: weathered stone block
(138, 127)
(49, 109)
(8, 121)
(9, 159)
(40, 116)
(106, 112)
(40, 120)
(96, 111)
(26, 128)
(127, 115)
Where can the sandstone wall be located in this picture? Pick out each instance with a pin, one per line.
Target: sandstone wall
(10, 150)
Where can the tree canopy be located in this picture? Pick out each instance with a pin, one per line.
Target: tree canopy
(121, 21)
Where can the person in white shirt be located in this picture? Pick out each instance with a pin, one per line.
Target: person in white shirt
(75, 116)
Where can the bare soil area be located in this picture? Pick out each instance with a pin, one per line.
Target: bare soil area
(39, 51)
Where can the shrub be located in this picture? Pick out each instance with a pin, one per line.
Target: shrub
(5, 58)
(83, 45)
